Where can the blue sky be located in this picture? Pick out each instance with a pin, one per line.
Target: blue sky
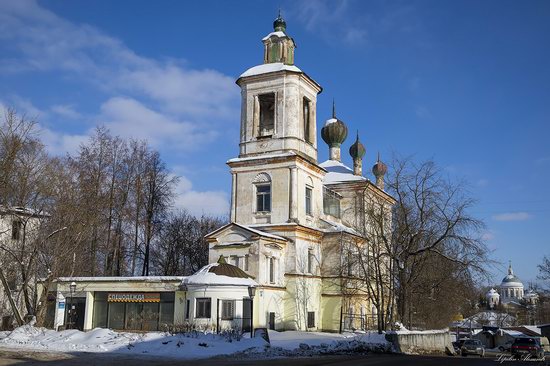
(465, 83)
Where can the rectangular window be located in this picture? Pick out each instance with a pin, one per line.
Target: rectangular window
(235, 261)
(331, 203)
(271, 270)
(246, 262)
(311, 319)
(310, 260)
(187, 309)
(309, 193)
(350, 264)
(263, 198)
(228, 309)
(307, 123)
(267, 114)
(203, 308)
(16, 229)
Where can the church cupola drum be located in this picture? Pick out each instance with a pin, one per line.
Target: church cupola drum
(279, 101)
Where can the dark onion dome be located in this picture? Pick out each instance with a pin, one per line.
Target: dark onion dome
(335, 131)
(229, 270)
(279, 24)
(357, 150)
(379, 169)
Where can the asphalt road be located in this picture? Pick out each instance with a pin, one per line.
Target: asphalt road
(8, 357)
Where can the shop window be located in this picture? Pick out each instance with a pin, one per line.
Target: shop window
(309, 192)
(311, 319)
(267, 114)
(228, 309)
(16, 226)
(203, 308)
(116, 315)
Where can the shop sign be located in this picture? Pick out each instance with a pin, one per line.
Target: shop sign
(133, 297)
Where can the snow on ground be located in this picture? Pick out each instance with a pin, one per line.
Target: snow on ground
(190, 345)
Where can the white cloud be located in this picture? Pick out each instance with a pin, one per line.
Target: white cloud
(127, 117)
(180, 99)
(331, 20)
(512, 216)
(213, 203)
(65, 110)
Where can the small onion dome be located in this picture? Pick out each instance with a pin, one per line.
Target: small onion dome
(379, 169)
(357, 150)
(279, 24)
(334, 132)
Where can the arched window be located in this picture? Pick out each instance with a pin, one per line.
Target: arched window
(262, 186)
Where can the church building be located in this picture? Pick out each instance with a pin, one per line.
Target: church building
(285, 261)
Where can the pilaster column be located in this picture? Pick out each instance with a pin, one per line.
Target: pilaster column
(233, 216)
(293, 204)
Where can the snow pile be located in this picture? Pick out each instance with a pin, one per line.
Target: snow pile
(193, 345)
(188, 346)
(307, 344)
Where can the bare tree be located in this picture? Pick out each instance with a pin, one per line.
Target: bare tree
(180, 248)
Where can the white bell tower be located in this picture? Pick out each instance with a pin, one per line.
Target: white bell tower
(278, 101)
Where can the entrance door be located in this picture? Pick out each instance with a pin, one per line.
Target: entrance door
(247, 315)
(272, 321)
(75, 309)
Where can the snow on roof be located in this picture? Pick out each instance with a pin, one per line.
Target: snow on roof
(276, 34)
(337, 227)
(262, 233)
(338, 172)
(121, 279)
(264, 156)
(204, 277)
(246, 227)
(330, 120)
(267, 68)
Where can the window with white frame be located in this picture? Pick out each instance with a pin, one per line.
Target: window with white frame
(203, 307)
(228, 309)
(262, 184)
(309, 193)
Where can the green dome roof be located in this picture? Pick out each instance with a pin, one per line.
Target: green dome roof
(379, 169)
(279, 24)
(357, 150)
(335, 131)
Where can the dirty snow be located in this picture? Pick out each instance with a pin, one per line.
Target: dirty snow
(190, 345)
